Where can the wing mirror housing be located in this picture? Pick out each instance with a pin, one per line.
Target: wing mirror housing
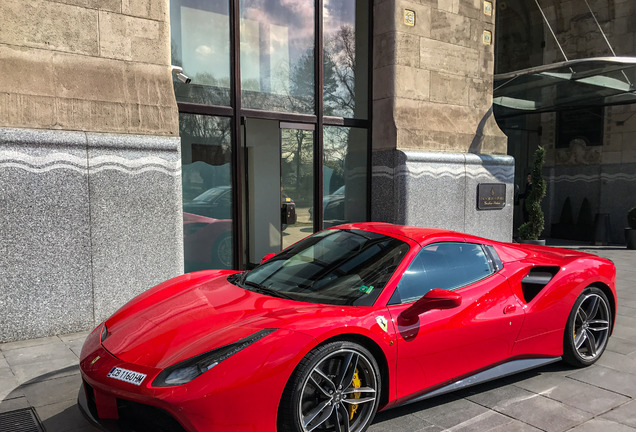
(434, 299)
(267, 257)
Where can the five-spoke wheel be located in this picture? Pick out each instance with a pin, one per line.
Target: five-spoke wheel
(588, 328)
(335, 388)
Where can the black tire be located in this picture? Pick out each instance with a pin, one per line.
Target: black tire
(588, 328)
(324, 390)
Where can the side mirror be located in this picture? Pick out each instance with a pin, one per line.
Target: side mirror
(267, 257)
(434, 299)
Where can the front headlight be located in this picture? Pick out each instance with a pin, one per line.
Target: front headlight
(188, 370)
(104, 333)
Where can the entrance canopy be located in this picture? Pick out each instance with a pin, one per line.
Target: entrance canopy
(566, 85)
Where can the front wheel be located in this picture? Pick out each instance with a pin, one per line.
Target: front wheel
(221, 254)
(336, 387)
(588, 328)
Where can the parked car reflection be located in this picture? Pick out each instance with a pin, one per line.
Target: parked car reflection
(332, 208)
(215, 202)
(207, 242)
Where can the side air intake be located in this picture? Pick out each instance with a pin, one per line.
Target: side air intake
(536, 280)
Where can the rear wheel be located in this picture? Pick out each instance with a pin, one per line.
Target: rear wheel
(336, 387)
(588, 328)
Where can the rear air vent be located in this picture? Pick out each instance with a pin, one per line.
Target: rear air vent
(536, 280)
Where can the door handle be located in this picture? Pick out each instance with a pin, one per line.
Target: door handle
(509, 309)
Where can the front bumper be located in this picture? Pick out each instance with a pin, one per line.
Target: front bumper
(240, 394)
(132, 416)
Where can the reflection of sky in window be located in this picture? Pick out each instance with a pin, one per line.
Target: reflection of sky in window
(205, 44)
(336, 13)
(275, 34)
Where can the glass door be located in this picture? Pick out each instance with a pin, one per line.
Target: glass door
(279, 185)
(297, 179)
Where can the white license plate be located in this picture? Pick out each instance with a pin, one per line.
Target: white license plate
(126, 375)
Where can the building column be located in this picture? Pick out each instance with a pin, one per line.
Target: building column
(434, 135)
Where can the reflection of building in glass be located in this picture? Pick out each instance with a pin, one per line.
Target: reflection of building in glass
(583, 112)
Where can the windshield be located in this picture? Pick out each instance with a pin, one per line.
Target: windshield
(338, 267)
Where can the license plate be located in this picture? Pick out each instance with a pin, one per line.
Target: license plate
(126, 375)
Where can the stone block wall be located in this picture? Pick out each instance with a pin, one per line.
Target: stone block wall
(433, 80)
(79, 65)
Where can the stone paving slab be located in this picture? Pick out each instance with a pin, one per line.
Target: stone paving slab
(44, 374)
(625, 414)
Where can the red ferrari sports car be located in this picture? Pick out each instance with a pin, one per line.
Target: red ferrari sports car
(351, 320)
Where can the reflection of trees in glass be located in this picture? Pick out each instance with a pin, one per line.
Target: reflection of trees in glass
(301, 98)
(339, 71)
(345, 152)
(297, 147)
(335, 150)
(294, 91)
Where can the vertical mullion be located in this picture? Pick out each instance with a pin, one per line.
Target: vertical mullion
(237, 155)
(370, 112)
(319, 106)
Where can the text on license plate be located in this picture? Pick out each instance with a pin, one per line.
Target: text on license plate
(126, 375)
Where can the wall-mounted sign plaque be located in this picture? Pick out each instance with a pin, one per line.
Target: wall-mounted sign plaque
(487, 8)
(486, 37)
(491, 196)
(409, 17)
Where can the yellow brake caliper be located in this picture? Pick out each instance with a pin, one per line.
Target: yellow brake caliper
(355, 382)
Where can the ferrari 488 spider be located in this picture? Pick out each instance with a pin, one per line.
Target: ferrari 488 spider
(349, 321)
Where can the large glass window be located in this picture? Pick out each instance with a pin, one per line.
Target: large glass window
(207, 191)
(277, 55)
(346, 58)
(200, 44)
(344, 175)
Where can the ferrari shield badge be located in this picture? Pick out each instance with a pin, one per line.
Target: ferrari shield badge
(382, 322)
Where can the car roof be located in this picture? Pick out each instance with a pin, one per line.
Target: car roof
(417, 234)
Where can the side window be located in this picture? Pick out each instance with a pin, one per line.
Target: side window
(447, 265)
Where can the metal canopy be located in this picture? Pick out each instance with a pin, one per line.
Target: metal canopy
(599, 81)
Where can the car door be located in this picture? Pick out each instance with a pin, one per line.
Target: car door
(443, 345)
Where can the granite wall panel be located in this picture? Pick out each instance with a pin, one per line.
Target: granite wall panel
(45, 273)
(87, 221)
(440, 190)
(136, 225)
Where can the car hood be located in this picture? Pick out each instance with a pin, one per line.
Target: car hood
(183, 319)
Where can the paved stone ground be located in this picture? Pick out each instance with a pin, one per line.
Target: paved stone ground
(42, 374)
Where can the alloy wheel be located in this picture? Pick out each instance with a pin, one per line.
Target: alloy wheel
(339, 394)
(591, 327)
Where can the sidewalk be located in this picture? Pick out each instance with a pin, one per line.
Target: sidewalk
(39, 382)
